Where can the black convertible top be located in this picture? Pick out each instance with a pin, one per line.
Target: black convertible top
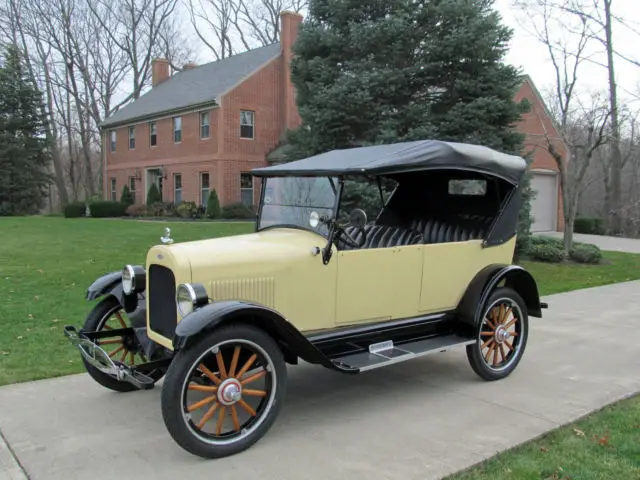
(403, 157)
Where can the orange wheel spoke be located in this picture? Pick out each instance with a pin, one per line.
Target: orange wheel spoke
(221, 367)
(247, 407)
(234, 417)
(107, 327)
(116, 350)
(246, 366)
(502, 354)
(234, 362)
(132, 356)
(124, 355)
(209, 374)
(488, 356)
(509, 346)
(221, 416)
(507, 312)
(490, 325)
(253, 377)
(202, 388)
(207, 416)
(486, 334)
(110, 342)
(201, 403)
(495, 355)
(510, 323)
(255, 393)
(121, 320)
(487, 342)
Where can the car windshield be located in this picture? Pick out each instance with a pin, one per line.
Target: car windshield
(289, 201)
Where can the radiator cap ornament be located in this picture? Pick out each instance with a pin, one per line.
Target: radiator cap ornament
(166, 239)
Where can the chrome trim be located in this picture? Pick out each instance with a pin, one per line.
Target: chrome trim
(132, 275)
(192, 295)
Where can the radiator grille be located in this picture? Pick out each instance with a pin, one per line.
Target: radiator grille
(163, 317)
(260, 290)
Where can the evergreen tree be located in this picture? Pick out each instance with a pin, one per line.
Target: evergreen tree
(126, 198)
(213, 205)
(24, 155)
(153, 195)
(397, 70)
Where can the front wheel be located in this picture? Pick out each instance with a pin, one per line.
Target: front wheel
(501, 335)
(221, 395)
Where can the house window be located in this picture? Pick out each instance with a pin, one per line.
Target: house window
(246, 124)
(113, 141)
(114, 192)
(132, 138)
(132, 188)
(204, 188)
(204, 125)
(177, 188)
(246, 189)
(177, 129)
(153, 134)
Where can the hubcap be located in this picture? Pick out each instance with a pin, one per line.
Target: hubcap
(502, 335)
(229, 392)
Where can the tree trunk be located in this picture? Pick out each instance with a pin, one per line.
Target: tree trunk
(616, 155)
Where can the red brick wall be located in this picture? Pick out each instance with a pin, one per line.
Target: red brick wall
(535, 124)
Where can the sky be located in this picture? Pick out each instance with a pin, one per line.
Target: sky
(532, 56)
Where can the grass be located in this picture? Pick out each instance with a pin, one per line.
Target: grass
(46, 264)
(603, 445)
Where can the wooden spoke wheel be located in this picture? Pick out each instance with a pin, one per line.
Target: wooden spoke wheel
(501, 336)
(108, 314)
(222, 394)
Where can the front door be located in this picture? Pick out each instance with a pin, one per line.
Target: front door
(378, 284)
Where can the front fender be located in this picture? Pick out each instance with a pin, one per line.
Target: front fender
(516, 277)
(218, 313)
(111, 284)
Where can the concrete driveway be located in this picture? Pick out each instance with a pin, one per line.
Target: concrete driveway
(619, 244)
(420, 420)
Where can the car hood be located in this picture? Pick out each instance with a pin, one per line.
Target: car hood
(248, 255)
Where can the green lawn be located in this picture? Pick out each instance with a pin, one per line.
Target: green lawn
(46, 264)
(604, 445)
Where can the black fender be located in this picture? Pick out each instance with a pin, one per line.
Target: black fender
(516, 277)
(111, 284)
(212, 315)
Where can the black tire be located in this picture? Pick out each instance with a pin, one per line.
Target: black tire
(101, 314)
(184, 374)
(509, 348)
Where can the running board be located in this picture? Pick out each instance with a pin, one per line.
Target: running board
(386, 353)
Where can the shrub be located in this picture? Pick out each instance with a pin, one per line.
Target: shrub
(546, 252)
(237, 210)
(107, 208)
(537, 240)
(74, 209)
(585, 253)
(161, 209)
(126, 196)
(213, 205)
(593, 226)
(137, 211)
(153, 195)
(186, 209)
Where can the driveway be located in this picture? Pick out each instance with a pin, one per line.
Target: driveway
(619, 244)
(421, 419)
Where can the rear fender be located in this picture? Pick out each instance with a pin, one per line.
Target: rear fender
(212, 315)
(516, 277)
(111, 284)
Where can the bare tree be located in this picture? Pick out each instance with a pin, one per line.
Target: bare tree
(581, 126)
(227, 27)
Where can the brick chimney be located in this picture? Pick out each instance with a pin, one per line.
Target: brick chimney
(289, 24)
(159, 71)
(189, 66)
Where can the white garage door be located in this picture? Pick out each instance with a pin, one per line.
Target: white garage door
(544, 207)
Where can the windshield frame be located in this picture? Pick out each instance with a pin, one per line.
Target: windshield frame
(336, 183)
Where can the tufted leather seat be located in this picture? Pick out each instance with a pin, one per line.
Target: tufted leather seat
(383, 236)
(460, 229)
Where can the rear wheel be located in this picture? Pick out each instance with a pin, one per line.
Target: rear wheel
(502, 335)
(221, 395)
(108, 314)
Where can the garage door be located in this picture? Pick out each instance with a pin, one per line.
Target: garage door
(544, 207)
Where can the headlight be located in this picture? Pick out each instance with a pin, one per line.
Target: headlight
(190, 296)
(128, 279)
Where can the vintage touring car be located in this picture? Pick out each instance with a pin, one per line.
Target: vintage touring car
(219, 319)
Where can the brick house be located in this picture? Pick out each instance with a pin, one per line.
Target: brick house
(207, 126)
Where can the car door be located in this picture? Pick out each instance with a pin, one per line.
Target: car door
(378, 283)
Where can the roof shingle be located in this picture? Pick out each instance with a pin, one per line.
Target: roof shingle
(201, 85)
